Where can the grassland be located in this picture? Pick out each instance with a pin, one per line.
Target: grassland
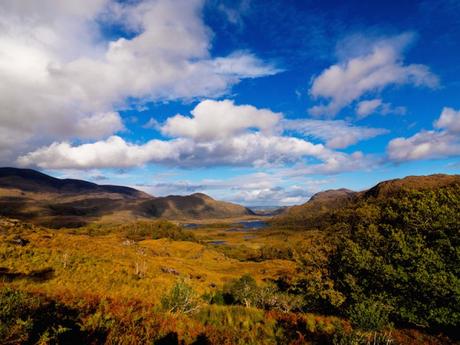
(158, 283)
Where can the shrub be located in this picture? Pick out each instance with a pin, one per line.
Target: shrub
(245, 291)
(180, 299)
(242, 291)
(30, 319)
(369, 315)
(154, 230)
(405, 247)
(359, 338)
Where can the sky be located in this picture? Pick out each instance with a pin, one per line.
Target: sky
(258, 102)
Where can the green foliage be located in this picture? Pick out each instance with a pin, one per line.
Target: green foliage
(266, 252)
(237, 325)
(270, 252)
(239, 252)
(245, 291)
(180, 299)
(360, 338)
(369, 315)
(29, 319)
(154, 230)
(242, 291)
(405, 250)
(314, 280)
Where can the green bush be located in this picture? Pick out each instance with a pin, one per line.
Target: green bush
(360, 338)
(369, 315)
(180, 299)
(30, 319)
(245, 291)
(406, 249)
(154, 230)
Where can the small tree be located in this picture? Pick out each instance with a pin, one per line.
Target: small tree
(180, 299)
(243, 291)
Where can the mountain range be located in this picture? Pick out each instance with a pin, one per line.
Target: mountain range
(39, 198)
(36, 197)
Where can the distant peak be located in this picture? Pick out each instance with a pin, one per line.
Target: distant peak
(201, 195)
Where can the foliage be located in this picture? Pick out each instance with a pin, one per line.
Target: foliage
(369, 315)
(245, 291)
(143, 230)
(29, 319)
(404, 250)
(180, 299)
(242, 291)
(314, 280)
(360, 338)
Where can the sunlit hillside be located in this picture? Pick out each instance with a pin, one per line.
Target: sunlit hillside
(377, 269)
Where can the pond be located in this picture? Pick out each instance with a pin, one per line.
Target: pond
(253, 224)
(244, 226)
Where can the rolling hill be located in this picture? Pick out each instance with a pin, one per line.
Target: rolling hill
(36, 197)
(195, 206)
(314, 212)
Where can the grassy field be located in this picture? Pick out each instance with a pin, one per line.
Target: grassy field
(158, 283)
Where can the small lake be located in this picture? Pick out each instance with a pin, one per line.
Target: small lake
(244, 226)
(253, 224)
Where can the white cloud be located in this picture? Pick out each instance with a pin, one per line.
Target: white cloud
(449, 120)
(152, 123)
(432, 144)
(236, 12)
(99, 125)
(111, 153)
(367, 107)
(259, 188)
(336, 133)
(212, 120)
(59, 73)
(373, 70)
(218, 133)
(247, 149)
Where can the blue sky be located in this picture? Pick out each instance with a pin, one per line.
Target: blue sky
(256, 102)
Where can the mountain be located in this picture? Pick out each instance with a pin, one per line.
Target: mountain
(36, 197)
(268, 210)
(29, 180)
(195, 206)
(314, 212)
(387, 188)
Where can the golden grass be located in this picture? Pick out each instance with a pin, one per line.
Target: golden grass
(113, 267)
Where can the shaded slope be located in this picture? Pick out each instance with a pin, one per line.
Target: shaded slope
(320, 208)
(195, 206)
(34, 181)
(31, 195)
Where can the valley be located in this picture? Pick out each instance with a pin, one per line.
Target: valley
(300, 277)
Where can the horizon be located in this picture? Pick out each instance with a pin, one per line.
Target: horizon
(253, 102)
(252, 206)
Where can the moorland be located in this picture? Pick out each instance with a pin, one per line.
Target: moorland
(82, 263)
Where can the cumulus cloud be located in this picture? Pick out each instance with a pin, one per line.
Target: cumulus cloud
(444, 141)
(62, 79)
(373, 70)
(216, 133)
(220, 119)
(250, 149)
(336, 133)
(113, 152)
(449, 120)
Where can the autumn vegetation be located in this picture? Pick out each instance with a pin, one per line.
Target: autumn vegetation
(381, 267)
